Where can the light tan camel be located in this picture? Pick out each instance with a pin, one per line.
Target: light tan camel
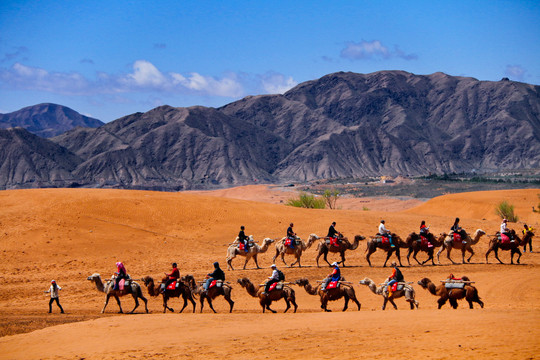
(382, 290)
(450, 244)
(415, 245)
(254, 250)
(469, 292)
(323, 248)
(300, 246)
(495, 245)
(180, 290)
(343, 291)
(375, 243)
(211, 293)
(285, 293)
(132, 289)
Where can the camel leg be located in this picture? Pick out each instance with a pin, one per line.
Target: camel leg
(273, 311)
(398, 254)
(317, 258)
(288, 304)
(324, 303)
(342, 253)
(384, 302)
(256, 261)
(346, 302)
(283, 258)
(453, 303)
(439, 253)
(210, 304)
(325, 257)
(184, 297)
(469, 249)
(496, 252)
(393, 303)
(275, 256)
(368, 255)
(442, 301)
(107, 301)
(165, 307)
(448, 250)
(245, 262)
(388, 254)
(136, 303)
(229, 300)
(229, 264)
(487, 253)
(297, 257)
(409, 254)
(202, 301)
(293, 301)
(519, 254)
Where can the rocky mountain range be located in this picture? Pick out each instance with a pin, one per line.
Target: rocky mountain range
(47, 120)
(339, 126)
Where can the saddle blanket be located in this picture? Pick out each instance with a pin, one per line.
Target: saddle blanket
(397, 287)
(423, 240)
(332, 285)
(504, 238)
(276, 286)
(382, 239)
(216, 283)
(172, 286)
(288, 242)
(454, 285)
(457, 237)
(122, 284)
(242, 246)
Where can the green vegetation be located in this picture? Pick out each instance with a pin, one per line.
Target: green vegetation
(506, 211)
(365, 208)
(308, 201)
(330, 197)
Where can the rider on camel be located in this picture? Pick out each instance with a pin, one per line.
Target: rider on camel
(274, 278)
(506, 231)
(333, 234)
(243, 239)
(217, 274)
(396, 277)
(383, 231)
(334, 276)
(121, 273)
(291, 235)
(457, 230)
(172, 277)
(424, 231)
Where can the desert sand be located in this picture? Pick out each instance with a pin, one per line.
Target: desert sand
(68, 234)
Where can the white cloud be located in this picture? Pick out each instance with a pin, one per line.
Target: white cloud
(515, 72)
(145, 77)
(372, 50)
(274, 83)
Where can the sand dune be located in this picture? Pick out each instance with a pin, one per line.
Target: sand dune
(68, 234)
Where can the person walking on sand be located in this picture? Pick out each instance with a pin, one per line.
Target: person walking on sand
(54, 296)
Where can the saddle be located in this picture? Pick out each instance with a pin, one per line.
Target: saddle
(504, 239)
(332, 285)
(216, 283)
(173, 285)
(333, 241)
(456, 237)
(276, 286)
(385, 239)
(396, 287)
(288, 242)
(454, 285)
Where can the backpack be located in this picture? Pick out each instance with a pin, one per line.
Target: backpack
(281, 276)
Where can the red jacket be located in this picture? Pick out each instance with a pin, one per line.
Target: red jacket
(175, 274)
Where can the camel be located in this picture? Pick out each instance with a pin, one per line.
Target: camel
(373, 244)
(134, 289)
(282, 250)
(415, 246)
(343, 291)
(211, 293)
(469, 292)
(450, 244)
(407, 291)
(233, 251)
(344, 245)
(495, 245)
(285, 293)
(181, 290)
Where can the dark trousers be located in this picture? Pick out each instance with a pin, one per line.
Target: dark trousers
(268, 284)
(57, 303)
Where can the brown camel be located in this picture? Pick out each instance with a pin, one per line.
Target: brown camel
(469, 292)
(343, 291)
(375, 243)
(285, 293)
(132, 289)
(211, 293)
(382, 290)
(254, 250)
(300, 246)
(180, 290)
(415, 245)
(450, 244)
(495, 245)
(323, 248)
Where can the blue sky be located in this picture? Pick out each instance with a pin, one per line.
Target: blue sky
(108, 59)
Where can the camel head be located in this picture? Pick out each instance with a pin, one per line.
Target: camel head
(424, 283)
(243, 281)
(359, 237)
(302, 282)
(479, 233)
(189, 280)
(366, 281)
(268, 241)
(93, 277)
(147, 280)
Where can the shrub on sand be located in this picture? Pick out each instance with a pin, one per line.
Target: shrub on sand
(506, 211)
(308, 201)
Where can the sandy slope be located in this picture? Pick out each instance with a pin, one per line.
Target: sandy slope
(67, 234)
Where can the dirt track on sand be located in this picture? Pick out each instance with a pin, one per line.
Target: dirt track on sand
(68, 234)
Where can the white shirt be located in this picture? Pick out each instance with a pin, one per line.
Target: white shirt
(53, 291)
(382, 229)
(275, 275)
(503, 228)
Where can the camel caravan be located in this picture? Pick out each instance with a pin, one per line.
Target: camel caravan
(333, 287)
